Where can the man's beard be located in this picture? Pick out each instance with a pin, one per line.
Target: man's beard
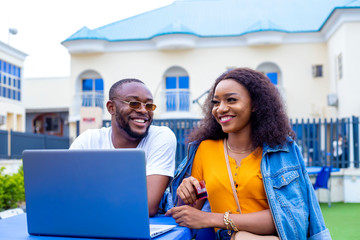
(135, 135)
(126, 127)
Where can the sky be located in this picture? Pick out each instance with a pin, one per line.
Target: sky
(43, 24)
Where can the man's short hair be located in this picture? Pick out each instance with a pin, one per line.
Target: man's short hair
(118, 84)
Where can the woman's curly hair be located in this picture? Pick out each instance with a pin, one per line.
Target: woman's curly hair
(269, 122)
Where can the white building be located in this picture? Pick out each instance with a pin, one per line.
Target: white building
(309, 49)
(12, 109)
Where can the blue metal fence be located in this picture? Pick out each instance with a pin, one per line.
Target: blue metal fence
(3, 144)
(315, 138)
(19, 141)
(318, 140)
(355, 140)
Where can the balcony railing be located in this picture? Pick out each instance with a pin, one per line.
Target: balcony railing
(87, 99)
(92, 99)
(177, 100)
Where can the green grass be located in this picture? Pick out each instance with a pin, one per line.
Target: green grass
(342, 219)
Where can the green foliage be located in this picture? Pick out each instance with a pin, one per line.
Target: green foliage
(12, 192)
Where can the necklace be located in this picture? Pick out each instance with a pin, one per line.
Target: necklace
(240, 152)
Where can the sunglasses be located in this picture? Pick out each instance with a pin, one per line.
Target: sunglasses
(136, 105)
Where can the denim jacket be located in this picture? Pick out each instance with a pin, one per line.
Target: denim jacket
(291, 196)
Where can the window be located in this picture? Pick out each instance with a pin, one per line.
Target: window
(93, 92)
(273, 76)
(272, 71)
(317, 71)
(10, 81)
(177, 93)
(51, 124)
(48, 123)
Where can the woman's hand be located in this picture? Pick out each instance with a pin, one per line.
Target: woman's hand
(187, 190)
(190, 217)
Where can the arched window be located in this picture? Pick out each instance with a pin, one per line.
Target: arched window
(92, 90)
(272, 71)
(177, 90)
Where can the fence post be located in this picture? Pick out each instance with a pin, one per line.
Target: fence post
(9, 144)
(355, 125)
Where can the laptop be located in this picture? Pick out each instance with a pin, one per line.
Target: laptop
(88, 193)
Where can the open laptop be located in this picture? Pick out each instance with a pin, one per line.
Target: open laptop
(87, 193)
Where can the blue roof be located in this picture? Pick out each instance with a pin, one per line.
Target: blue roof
(220, 18)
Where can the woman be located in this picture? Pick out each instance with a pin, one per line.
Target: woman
(245, 121)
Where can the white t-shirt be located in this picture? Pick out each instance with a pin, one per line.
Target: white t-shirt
(159, 146)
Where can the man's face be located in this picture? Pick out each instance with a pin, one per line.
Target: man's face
(135, 122)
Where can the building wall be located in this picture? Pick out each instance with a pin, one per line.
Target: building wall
(51, 93)
(15, 115)
(350, 84)
(13, 110)
(345, 41)
(305, 96)
(52, 97)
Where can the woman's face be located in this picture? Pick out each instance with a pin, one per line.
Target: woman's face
(232, 106)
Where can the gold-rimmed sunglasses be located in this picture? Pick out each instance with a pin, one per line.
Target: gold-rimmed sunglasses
(136, 104)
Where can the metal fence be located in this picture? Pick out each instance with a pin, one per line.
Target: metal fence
(320, 145)
(12, 144)
(317, 139)
(3, 144)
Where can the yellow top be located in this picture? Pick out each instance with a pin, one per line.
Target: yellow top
(210, 165)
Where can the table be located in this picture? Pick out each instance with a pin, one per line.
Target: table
(15, 228)
(316, 170)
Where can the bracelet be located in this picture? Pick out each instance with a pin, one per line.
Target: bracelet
(233, 225)
(226, 222)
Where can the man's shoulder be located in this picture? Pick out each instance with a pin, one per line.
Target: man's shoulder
(160, 130)
(97, 132)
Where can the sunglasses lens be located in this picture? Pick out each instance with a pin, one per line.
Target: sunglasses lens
(150, 107)
(135, 105)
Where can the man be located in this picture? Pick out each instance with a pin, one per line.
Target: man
(131, 107)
